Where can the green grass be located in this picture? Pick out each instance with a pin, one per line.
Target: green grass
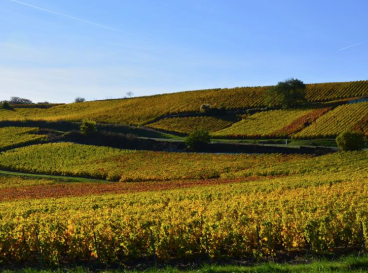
(53, 177)
(281, 142)
(347, 264)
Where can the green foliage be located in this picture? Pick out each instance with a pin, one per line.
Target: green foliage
(197, 139)
(208, 109)
(5, 105)
(289, 93)
(350, 141)
(88, 127)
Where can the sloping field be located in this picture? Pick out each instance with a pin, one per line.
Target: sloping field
(138, 111)
(323, 211)
(275, 123)
(186, 125)
(344, 118)
(127, 165)
(145, 109)
(15, 136)
(336, 90)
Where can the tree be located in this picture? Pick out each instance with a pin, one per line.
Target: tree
(88, 127)
(5, 105)
(289, 93)
(197, 139)
(350, 141)
(79, 99)
(129, 94)
(17, 100)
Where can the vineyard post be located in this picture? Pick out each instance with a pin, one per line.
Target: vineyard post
(208, 249)
(258, 239)
(362, 233)
(153, 248)
(39, 250)
(96, 246)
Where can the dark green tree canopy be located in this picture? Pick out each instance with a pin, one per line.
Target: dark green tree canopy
(350, 141)
(289, 93)
(197, 139)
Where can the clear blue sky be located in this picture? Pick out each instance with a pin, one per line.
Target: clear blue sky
(56, 50)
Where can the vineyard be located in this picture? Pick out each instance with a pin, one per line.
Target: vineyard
(126, 165)
(143, 110)
(305, 211)
(68, 203)
(187, 125)
(344, 118)
(16, 136)
(277, 123)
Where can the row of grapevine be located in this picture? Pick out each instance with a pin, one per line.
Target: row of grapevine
(336, 90)
(343, 118)
(143, 110)
(16, 136)
(321, 213)
(186, 125)
(265, 124)
(126, 165)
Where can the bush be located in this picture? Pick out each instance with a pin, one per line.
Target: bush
(5, 105)
(197, 139)
(88, 127)
(350, 141)
(208, 109)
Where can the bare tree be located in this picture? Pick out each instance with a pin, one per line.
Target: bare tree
(130, 94)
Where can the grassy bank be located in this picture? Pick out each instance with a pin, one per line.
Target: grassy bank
(347, 264)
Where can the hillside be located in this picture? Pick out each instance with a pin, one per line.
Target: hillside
(143, 110)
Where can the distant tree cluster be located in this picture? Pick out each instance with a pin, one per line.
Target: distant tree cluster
(18, 100)
(79, 99)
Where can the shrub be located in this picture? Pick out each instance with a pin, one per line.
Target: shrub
(350, 141)
(5, 105)
(205, 108)
(211, 110)
(88, 127)
(197, 139)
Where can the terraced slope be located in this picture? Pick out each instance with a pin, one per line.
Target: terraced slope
(16, 136)
(128, 165)
(185, 125)
(277, 123)
(144, 110)
(348, 117)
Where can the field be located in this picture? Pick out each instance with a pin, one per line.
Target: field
(259, 217)
(11, 137)
(127, 165)
(124, 111)
(277, 123)
(187, 125)
(64, 201)
(344, 118)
